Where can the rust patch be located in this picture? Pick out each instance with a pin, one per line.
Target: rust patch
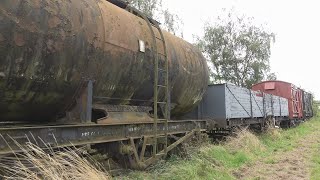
(19, 39)
(33, 27)
(126, 117)
(62, 34)
(50, 46)
(54, 46)
(54, 22)
(37, 3)
(58, 46)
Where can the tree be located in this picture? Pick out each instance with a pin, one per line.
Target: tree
(149, 7)
(238, 49)
(154, 9)
(271, 76)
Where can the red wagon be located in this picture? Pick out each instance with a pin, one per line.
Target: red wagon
(286, 90)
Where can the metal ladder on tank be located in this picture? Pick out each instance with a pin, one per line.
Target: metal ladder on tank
(158, 70)
(164, 84)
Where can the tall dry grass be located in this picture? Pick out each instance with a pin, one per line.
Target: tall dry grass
(274, 133)
(64, 164)
(245, 140)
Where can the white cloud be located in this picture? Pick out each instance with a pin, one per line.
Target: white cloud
(296, 24)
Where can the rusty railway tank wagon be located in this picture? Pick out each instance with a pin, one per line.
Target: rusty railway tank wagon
(95, 71)
(49, 50)
(101, 73)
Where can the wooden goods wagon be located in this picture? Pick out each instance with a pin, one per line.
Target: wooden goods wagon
(286, 90)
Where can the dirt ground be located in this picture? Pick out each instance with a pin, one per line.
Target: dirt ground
(291, 165)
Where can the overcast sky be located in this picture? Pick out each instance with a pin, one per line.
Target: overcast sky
(296, 23)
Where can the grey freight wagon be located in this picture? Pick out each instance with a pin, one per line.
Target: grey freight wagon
(227, 105)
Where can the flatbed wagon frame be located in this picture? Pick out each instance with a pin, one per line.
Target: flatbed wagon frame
(83, 134)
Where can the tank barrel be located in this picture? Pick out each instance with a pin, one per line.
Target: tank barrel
(49, 49)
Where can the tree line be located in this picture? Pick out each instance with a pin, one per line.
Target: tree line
(237, 49)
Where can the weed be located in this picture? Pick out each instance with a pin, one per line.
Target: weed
(245, 141)
(56, 165)
(225, 160)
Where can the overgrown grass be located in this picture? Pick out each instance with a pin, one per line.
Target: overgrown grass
(54, 165)
(221, 161)
(286, 140)
(315, 164)
(315, 172)
(208, 162)
(199, 166)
